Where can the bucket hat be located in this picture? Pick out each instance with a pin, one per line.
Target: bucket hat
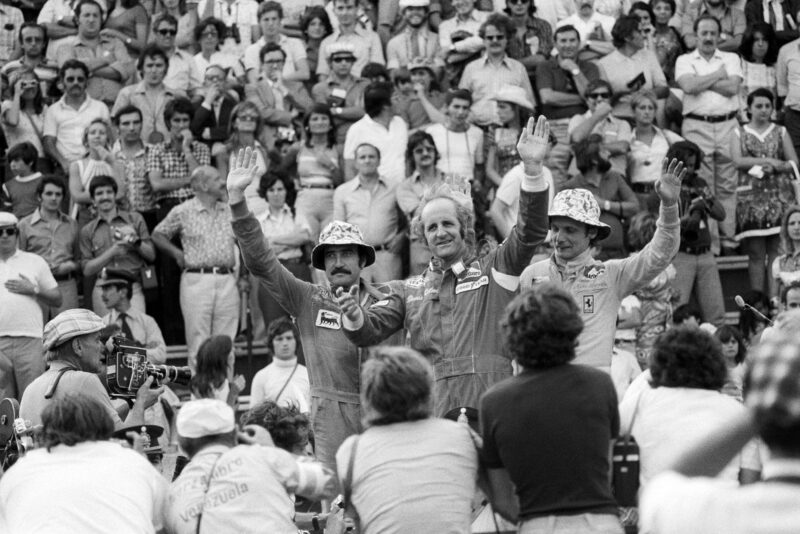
(340, 233)
(579, 205)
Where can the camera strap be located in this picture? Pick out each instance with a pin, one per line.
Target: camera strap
(52, 389)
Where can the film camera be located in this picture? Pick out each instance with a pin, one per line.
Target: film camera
(129, 369)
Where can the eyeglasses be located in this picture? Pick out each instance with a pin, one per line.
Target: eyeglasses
(206, 35)
(600, 95)
(345, 59)
(74, 79)
(247, 117)
(167, 33)
(33, 40)
(424, 150)
(495, 37)
(11, 230)
(517, 1)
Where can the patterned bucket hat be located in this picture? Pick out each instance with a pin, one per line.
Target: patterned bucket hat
(772, 383)
(340, 233)
(579, 205)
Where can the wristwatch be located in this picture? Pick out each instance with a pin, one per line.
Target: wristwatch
(575, 72)
(336, 111)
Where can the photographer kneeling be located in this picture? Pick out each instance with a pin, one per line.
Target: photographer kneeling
(75, 356)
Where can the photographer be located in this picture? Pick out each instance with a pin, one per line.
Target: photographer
(74, 353)
(695, 264)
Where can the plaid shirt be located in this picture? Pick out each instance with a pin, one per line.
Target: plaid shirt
(140, 194)
(10, 21)
(173, 166)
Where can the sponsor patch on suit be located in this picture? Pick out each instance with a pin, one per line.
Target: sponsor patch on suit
(329, 319)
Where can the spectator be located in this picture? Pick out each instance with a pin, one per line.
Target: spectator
(780, 16)
(460, 144)
(616, 133)
(20, 190)
(212, 119)
(182, 73)
(74, 354)
(26, 283)
(644, 14)
(366, 43)
(117, 289)
(594, 29)
(98, 161)
(631, 67)
(734, 351)
(11, 20)
(609, 188)
(240, 20)
(382, 128)
(759, 52)
(104, 55)
(532, 41)
(115, 238)
(295, 67)
(649, 145)
(128, 22)
(667, 41)
(687, 315)
(391, 19)
(131, 154)
(150, 95)
(368, 202)
(209, 295)
(341, 91)
(23, 114)
(288, 234)
(575, 228)
(398, 463)
(75, 435)
(213, 371)
(513, 110)
(421, 156)
(461, 339)
(415, 40)
(33, 41)
(422, 106)
(333, 361)
(58, 19)
(53, 235)
(209, 33)
(67, 119)
(730, 19)
(786, 267)
(787, 68)
(561, 82)
(487, 74)
(710, 79)
(186, 14)
(207, 432)
(687, 371)
(764, 155)
(284, 381)
(458, 36)
(375, 72)
(673, 502)
(541, 328)
(315, 27)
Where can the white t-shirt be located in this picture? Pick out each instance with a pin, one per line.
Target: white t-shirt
(20, 315)
(391, 143)
(269, 381)
(458, 151)
(92, 487)
(508, 191)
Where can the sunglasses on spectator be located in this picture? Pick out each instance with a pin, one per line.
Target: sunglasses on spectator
(600, 95)
(206, 35)
(74, 79)
(516, 1)
(495, 37)
(9, 231)
(343, 59)
(167, 32)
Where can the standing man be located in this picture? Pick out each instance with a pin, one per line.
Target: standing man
(459, 143)
(116, 239)
(333, 361)
(66, 119)
(25, 283)
(209, 296)
(295, 68)
(182, 73)
(598, 287)
(106, 57)
(450, 311)
(731, 20)
(33, 39)
(211, 122)
(416, 40)
(53, 235)
(710, 79)
(366, 43)
(132, 153)
(594, 29)
(368, 202)
(561, 82)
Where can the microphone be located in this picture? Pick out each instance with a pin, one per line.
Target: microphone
(743, 305)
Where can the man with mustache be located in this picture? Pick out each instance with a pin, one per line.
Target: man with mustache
(333, 361)
(732, 23)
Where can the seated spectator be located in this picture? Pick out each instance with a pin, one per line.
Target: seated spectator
(315, 26)
(209, 33)
(58, 19)
(212, 120)
(459, 143)
(239, 19)
(631, 67)
(128, 22)
(76, 433)
(213, 371)
(687, 371)
(150, 95)
(667, 40)
(594, 29)
(495, 69)
(500, 141)
(459, 41)
(33, 40)
(186, 15)
(285, 380)
(415, 40)
(759, 52)
(427, 99)
(532, 41)
(780, 16)
(218, 466)
(732, 23)
(20, 191)
(786, 267)
(541, 328)
(734, 350)
(294, 68)
(615, 133)
(348, 29)
(613, 195)
(22, 116)
(398, 463)
(182, 72)
(672, 502)
(105, 55)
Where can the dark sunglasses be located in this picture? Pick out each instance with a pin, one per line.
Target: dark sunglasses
(600, 95)
(343, 59)
(495, 37)
(74, 79)
(516, 1)
(11, 230)
(166, 32)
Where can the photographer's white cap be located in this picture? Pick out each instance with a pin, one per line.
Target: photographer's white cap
(204, 417)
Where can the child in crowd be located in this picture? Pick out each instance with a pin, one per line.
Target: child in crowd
(19, 193)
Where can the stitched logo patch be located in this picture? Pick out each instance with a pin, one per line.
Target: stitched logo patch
(593, 271)
(588, 304)
(329, 319)
(471, 286)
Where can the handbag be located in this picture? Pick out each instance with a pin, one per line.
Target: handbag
(625, 466)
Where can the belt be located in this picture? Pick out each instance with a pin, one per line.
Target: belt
(316, 186)
(712, 118)
(210, 270)
(643, 188)
(695, 250)
(64, 277)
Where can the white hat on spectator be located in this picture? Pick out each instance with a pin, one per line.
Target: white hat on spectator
(8, 219)
(514, 94)
(414, 3)
(340, 49)
(70, 324)
(204, 417)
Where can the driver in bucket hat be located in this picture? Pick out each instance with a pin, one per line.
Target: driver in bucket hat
(598, 287)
